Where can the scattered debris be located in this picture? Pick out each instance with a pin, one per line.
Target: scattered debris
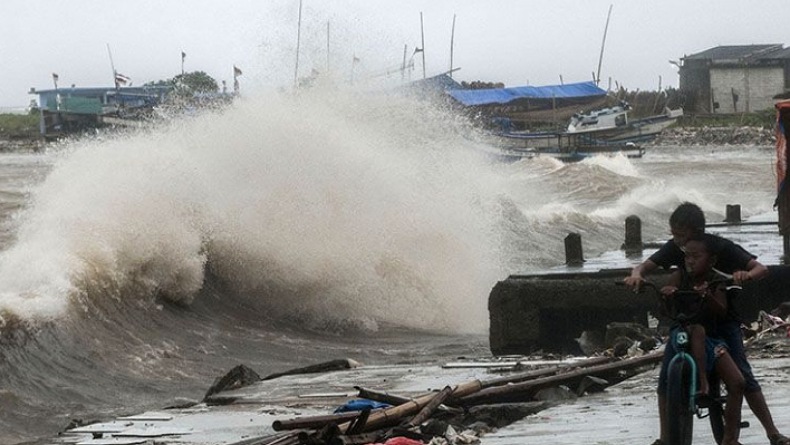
(237, 377)
(332, 365)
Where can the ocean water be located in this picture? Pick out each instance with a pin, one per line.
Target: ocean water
(135, 268)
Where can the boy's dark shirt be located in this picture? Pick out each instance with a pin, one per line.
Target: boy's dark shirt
(730, 258)
(701, 313)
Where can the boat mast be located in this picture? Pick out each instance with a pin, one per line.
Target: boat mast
(422, 36)
(112, 64)
(403, 65)
(327, 47)
(115, 79)
(603, 43)
(452, 38)
(298, 41)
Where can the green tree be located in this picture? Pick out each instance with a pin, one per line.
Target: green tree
(188, 84)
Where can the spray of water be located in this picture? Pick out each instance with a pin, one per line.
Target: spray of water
(325, 205)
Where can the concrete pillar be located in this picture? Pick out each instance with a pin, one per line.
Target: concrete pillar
(573, 250)
(633, 234)
(733, 213)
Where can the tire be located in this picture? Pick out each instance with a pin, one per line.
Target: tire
(716, 410)
(680, 413)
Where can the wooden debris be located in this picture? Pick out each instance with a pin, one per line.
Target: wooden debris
(313, 421)
(237, 377)
(332, 365)
(523, 391)
(429, 407)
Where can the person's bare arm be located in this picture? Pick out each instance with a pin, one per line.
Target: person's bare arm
(755, 270)
(638, 273)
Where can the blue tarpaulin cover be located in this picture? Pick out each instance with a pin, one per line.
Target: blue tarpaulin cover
(505, 95)
(360, 405)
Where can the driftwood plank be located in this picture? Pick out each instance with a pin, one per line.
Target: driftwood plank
(332, 365)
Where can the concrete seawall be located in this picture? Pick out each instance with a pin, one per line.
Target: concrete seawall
(548, 311)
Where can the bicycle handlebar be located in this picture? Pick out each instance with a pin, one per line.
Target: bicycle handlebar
(684, 304)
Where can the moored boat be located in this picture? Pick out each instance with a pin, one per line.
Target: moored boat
(599, 128)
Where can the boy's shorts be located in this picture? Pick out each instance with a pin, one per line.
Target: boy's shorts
(730, 332)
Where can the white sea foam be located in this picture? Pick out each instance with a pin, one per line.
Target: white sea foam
(325, 205)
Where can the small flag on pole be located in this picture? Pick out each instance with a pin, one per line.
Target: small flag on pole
(236, 71)
(55, 77)
(417, 50)
(356, 59)
(183, 55)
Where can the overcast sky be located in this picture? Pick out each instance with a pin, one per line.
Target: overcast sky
(517, 42)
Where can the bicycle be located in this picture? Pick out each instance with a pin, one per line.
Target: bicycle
(683, 400)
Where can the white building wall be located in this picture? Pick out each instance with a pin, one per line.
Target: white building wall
(755, 88)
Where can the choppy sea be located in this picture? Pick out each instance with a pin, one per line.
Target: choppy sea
(137, 267)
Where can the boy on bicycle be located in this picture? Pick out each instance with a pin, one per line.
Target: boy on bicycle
(705, 313)
(687, 220)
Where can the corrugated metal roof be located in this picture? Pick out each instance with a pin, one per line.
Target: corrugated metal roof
(781, 54)
(505, 95)
(737, 52)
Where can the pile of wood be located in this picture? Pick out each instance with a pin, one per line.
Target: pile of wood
(416, 418)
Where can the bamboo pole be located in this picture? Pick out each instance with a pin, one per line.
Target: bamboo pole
(393, 399)
(396, 400)
(525, 389)
(430, 407)
(531, 375)
(387, 416)
(380, 396)
(313, 421)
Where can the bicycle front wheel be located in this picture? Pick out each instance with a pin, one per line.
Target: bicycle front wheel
(680, 408)
(716, 410)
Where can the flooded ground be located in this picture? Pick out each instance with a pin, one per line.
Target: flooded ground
(625, 414)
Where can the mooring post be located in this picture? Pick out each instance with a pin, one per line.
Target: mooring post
(633, 235)
(573, 250)
(733, 214)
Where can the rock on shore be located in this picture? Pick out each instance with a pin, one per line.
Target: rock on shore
(756, 136)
